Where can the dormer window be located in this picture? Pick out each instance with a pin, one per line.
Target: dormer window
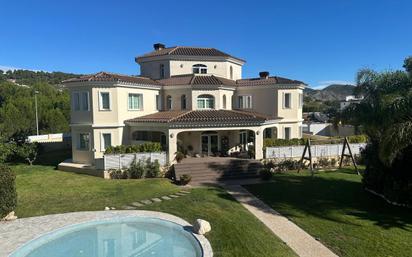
(199, 69)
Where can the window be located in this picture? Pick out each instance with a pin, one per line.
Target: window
(162, 71)
(205, 102)
(183, 102)
(231, 72)
(84, 141)
(300, 100)
(81, 101)
(287, 100)
(106, 141)
(76, 101)
(199, 68)
(85, 101)
(268, 133)
(158, 103)
(135, 102)
(140, 135)
(224, 101)
(287, 133)
(245, 102)
(169, 102)
(104, 101)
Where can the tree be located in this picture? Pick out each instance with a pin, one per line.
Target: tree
(385, 115)
(28, 152)
(408, 65)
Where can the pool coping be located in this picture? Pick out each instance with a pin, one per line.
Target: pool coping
(14, 234)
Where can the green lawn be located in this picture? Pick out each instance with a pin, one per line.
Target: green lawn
(235, 232)
(333, 207)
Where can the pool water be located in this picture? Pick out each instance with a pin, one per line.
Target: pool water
(119, 237)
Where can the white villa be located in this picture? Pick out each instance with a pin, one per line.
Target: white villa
(188, 97)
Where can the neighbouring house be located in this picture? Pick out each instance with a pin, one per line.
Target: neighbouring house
(187, 98)
(349, 100)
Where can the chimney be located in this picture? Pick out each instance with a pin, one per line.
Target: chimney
(264, 74)
(158, 46)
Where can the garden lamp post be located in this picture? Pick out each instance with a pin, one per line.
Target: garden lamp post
(37, 117)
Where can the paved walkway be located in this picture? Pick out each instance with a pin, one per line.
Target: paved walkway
(142, 203)
(295, 237)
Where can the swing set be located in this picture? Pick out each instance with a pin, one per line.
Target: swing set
(307, 149)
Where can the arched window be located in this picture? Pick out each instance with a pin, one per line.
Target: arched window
(224, 101)
(169, 102)
(183, 102)
(162, 71)
(199, 68)
(205, 102)
(231, 72)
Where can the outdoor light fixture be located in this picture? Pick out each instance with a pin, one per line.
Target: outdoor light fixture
(171, 135)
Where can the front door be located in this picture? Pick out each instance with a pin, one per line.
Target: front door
(210, 144)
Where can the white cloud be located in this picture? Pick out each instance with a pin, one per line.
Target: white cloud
(325, 83)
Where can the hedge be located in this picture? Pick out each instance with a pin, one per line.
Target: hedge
(8, 195)
(148, 147)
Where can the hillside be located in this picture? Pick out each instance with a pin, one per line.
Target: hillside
(330, 93)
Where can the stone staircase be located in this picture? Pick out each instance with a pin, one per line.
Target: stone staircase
(217, 169)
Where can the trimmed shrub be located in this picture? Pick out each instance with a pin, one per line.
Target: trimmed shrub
(117, 174)
(136, 170)
(269, 142)
(148, 147)
(152, 169)
(185, 179)
(8, 194)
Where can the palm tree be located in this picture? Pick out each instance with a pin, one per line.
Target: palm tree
(385, 115)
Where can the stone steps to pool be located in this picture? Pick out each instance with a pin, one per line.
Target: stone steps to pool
(142, 203)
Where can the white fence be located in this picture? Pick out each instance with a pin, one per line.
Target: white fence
(317, 150)
(122, 161)
(48, 138)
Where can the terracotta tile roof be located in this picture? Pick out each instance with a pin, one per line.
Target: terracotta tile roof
(266, 81)
(214, 117)
(192, 79)
(187, 51)
(107, 76)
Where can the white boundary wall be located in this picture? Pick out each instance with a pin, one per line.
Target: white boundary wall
(123, 161)
(317, 150)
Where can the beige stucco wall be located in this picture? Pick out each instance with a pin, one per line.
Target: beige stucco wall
(268, 100)
(81, 117)
(176, 94)
(119, 104)
(217, 94)
(151, 69)
(82, 156)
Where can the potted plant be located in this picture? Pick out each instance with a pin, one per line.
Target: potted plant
(185, 179)
(179, 157)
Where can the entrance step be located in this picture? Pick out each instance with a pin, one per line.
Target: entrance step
(217, 169)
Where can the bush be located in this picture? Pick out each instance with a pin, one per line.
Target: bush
(8, 195)
(323, 162)
(288, 164)
(185, 179)
(269, 142)
(117, 174)
(136, 170)
(357, 139)
(265, 174)
(152, 169)
(148, 147)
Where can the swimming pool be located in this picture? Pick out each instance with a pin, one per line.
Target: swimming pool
(116, 237)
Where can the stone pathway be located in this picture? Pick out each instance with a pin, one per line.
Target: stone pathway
(295, 237)
(142, 203)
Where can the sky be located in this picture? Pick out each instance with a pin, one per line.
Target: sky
(318, 42)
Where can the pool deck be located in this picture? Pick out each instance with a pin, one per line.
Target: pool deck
(14, 234)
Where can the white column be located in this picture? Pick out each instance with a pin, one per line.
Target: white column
(259, 144)
(171, 145)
